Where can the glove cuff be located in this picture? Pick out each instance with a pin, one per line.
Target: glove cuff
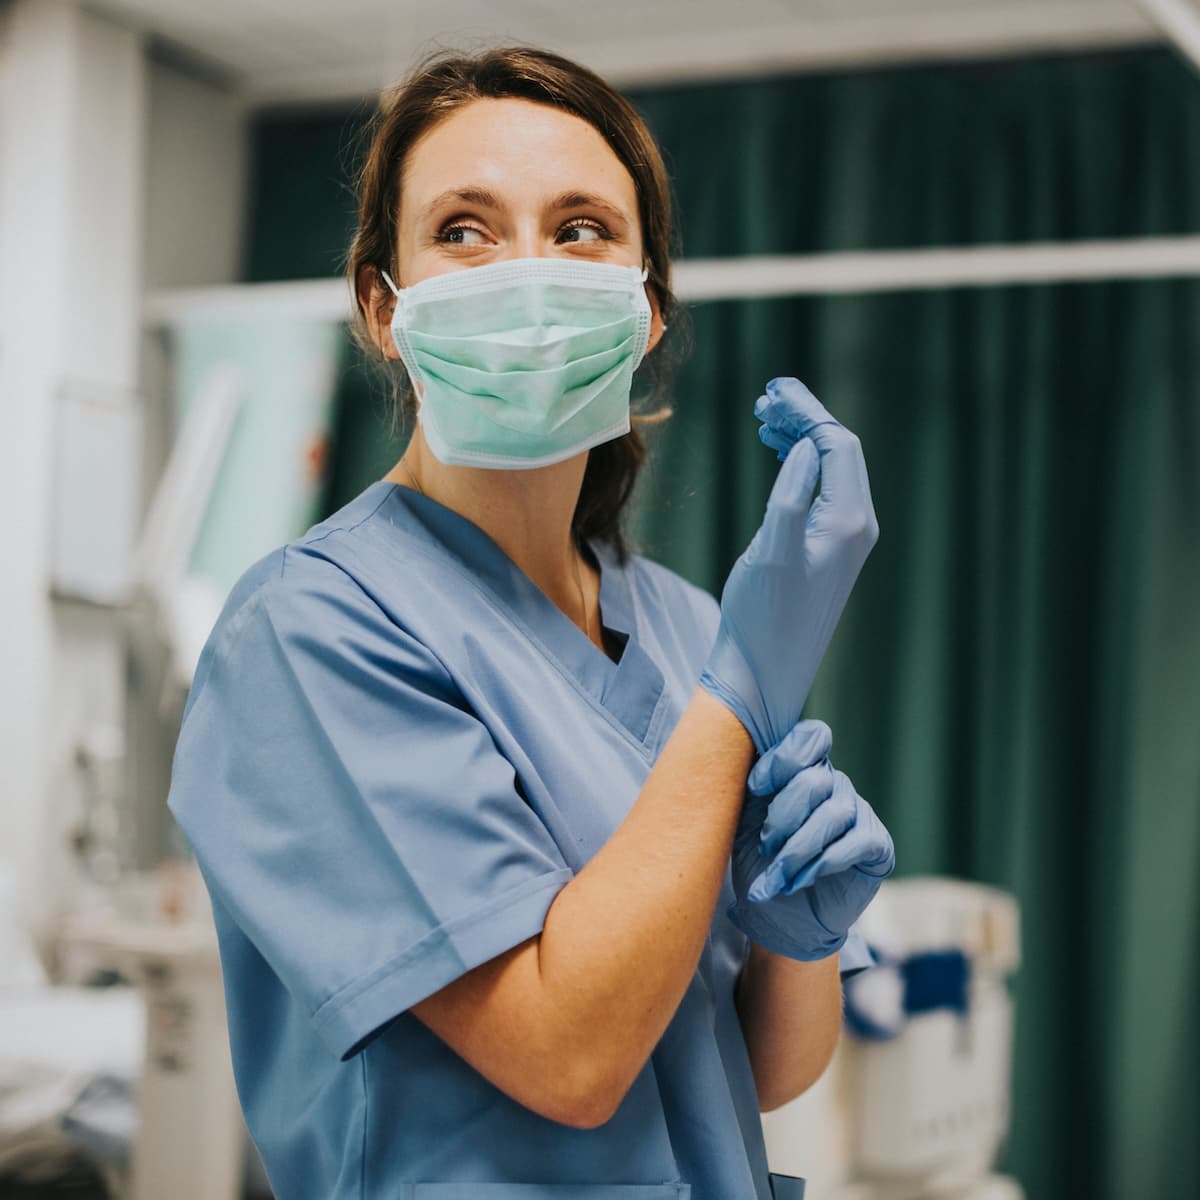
(732, 701)
(766, 933)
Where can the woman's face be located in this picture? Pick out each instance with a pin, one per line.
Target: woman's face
(501, 179)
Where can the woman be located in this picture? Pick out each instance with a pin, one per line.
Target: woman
(467, 782)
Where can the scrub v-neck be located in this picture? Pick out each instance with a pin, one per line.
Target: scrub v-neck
(629, 689)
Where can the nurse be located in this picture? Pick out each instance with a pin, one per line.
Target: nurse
(529, 881)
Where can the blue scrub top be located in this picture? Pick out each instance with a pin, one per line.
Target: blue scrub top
(395, 752)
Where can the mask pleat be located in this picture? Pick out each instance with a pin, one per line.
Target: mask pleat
(556, 346)
(524, 390)
(522, 421)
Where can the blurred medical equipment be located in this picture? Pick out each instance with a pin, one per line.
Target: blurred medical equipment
(69, 1058)
(97, 490)
(915, 1105)
(252, 403)
(804, 558)
(58, 1045)
(135, 1075)
(182, 606)
(184, 1136)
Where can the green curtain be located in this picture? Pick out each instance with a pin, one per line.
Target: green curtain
(1015, 685)
(1016, 682)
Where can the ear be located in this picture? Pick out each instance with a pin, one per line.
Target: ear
(377, 304)
(657, 326)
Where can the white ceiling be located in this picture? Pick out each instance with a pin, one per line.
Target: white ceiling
(281, 51)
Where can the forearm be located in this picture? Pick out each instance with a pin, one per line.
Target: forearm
(791, 1015)
(622, 940)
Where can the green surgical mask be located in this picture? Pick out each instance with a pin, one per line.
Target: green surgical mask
(524, 362)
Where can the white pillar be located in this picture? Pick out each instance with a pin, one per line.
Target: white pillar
(71, 185)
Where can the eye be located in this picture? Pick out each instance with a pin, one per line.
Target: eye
(457, 234)
(582, 225)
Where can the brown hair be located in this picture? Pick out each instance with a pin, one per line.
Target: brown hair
(446, 81)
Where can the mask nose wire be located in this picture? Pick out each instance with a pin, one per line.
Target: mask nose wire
(396, 290)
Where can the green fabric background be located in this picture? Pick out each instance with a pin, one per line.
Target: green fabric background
(1015, 685)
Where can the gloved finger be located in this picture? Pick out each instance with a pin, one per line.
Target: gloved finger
(879, 852)
(790, 407)
(780, 442)
(805, 745)
(780, 537)
(828, 822)
(866, 847)
(794, 805)
(790, 410)
(860, 850)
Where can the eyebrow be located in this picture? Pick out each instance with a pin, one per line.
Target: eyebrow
(488, 199)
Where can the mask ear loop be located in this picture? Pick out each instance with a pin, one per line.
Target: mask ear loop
(645, 276)
(418, 388)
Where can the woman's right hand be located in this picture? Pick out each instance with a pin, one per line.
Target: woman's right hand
(786, 592)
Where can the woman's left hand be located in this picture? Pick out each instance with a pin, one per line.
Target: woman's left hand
(809, 854)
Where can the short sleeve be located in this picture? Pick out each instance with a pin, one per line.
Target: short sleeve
(349, 812)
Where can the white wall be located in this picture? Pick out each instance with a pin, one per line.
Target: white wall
(113, 171)
(69, 295)
(196, 179)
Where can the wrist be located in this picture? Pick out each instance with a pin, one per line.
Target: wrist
(729, 699)
(718, 710)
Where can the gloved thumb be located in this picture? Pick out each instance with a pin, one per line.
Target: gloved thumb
(788, 506)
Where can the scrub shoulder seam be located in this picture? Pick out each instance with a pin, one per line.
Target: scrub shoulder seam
(223, 641)
(312, 541)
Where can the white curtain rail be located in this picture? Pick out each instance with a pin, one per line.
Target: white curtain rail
(762, 276)
(904, 270)
(1180, 21)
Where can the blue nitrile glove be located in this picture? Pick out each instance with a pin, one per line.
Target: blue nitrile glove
(783, 598)
(808, 861)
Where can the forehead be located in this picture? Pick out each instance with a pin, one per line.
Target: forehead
(520, 150)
